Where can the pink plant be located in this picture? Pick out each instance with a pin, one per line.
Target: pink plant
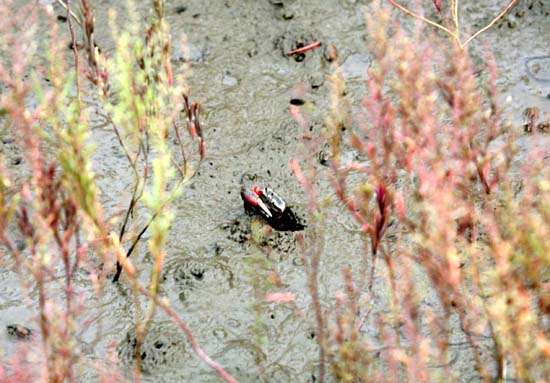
(434, 159)
(55, 207)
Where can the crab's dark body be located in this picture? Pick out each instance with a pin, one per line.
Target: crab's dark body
(271, 206)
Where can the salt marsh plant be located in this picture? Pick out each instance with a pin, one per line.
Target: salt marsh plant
(430, 188)
(54, 206)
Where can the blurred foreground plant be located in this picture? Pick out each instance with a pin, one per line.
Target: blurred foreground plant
(55, 208)
(428, 184)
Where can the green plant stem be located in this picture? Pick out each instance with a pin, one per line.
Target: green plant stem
(135, 242)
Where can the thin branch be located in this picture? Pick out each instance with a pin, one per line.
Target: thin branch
(136, 240)
(131, 249)
(454, 12)
(75, 17)
(501, 14)
(422, 18)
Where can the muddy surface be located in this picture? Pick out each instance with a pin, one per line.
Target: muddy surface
(244, 81)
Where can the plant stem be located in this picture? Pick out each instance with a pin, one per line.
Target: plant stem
(164, 305)
(71, 14)
(75, 53)
(454, 12)
(501, 14)
(427, 21)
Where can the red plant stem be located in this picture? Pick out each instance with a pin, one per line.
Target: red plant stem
(315, 301)
(483, 179)
(305, 49)
(44, 327)
(190, 337)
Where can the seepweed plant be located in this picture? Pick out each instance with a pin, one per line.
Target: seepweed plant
(432, 191)
(55, 206)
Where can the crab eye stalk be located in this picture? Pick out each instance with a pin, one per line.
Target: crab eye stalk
(257, 190)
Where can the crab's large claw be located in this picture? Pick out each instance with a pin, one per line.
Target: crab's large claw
(251, 196)
(264, 208)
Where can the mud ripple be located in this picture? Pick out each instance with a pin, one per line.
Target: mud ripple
(208, 275)
(163, 346)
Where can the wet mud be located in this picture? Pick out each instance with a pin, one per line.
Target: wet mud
(245, 81)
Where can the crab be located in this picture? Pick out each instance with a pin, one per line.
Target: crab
(271, 206)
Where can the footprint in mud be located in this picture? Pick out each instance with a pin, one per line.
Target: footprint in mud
(238, 230)
(285, 9)
(201, 275)
(10, 150)
(163, 346)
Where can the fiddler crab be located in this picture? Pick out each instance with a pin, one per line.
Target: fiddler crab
(271, 206)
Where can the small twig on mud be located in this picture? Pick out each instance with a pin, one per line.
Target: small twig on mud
(305, 49)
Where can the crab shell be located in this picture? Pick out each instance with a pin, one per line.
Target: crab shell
(273, 200)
